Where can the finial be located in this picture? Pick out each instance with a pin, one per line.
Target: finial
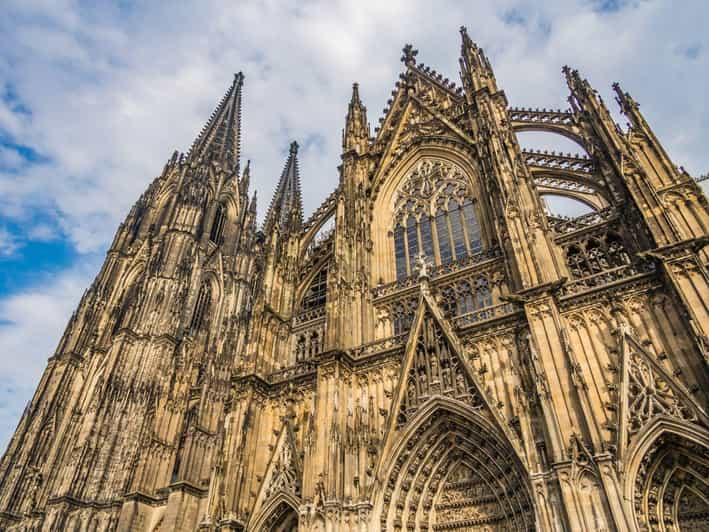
(355, 92)
(293, 148)
(422, 266)
(409, 55)
(465, 36)
(624, 99)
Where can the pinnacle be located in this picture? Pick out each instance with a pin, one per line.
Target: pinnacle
(467, 41)
(355, 93)
(409, 54)
(219, 140)
(287, 203)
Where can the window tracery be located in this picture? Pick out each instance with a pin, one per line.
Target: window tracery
(596, 254)
(316, 293)
(434, 215)
(310, 319)
(204, 300)
(215, 233)
(466, 296)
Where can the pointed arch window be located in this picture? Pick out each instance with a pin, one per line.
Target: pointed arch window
(316, 294)
(400, 252)
(596, 254)
(435, 216)
(472, 227)
(412, 241)
(444, 243)
(215, 234)
(201, 308)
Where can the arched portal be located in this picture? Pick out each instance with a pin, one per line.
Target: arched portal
(452, 470)
(669, 478)
(283, 518)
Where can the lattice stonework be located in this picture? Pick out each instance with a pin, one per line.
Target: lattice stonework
(436, 371)
(650, 395)
(435, 215)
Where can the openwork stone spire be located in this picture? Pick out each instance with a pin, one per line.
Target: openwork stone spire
(220, 138)
(475, 67)
(286, 209)
(356, 134)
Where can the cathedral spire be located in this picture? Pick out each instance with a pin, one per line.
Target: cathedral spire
(220, 138)
(630, 108)
(356, 133)
(286, 209)
(245, 179)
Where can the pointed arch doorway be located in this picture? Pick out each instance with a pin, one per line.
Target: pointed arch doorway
(283, 518)
(668, 477)
(452, 470)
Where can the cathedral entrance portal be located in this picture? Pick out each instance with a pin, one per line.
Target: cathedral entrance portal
(670, 489)
(283, 519)
(453, 471)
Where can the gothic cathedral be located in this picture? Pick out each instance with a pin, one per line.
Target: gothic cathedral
(432, 349)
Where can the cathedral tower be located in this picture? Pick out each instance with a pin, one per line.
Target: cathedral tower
(431, 349)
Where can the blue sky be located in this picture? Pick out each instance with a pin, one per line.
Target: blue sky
(94, 97)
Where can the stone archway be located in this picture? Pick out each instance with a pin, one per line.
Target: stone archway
(279, 514)
(283, 519)
(668, 481)
(453, 471)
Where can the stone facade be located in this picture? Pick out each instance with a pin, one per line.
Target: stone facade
(430, 350)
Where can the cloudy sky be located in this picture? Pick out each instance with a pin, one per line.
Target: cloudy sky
(94, 97)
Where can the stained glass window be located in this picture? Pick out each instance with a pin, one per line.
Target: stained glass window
(317, 291)
(435, 216)
(400, 252)
(472, 226)
(413, 241)
(427, 238)
(444, 243)
(457, 230)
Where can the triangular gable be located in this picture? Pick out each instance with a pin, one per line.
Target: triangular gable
(284, 471)
(430, 88)
(433, 366)
(415, 121)
(647, 390)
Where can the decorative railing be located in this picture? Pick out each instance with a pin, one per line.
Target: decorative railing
(541, 116)
(292, 372)
(309, 341)
(486, 313)
(309, 315)
(563, 184)
(378, 346)
(436, 272)
(563, 224)
(607, 277)
(319, 244)
(558, 161)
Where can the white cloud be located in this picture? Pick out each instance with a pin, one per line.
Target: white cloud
(8, 243)
(112, 91)
(31, 323)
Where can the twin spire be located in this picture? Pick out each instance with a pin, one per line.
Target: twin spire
(220, 141)
(220, 138)
(286, 209)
